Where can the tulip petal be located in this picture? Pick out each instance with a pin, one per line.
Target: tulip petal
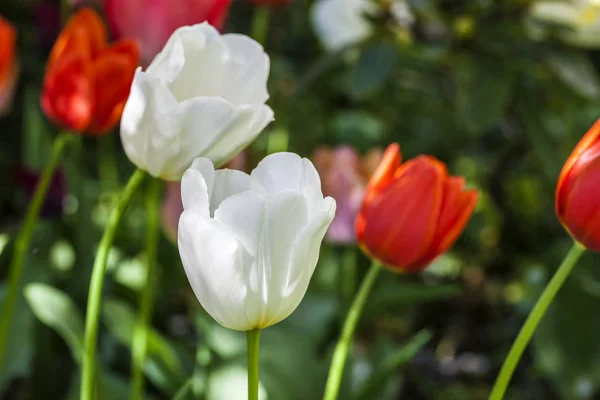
(185, 41)
(247, 71)
(401, 221)
(287, 171)
(457, 207)
(216, 265)
(196, 186)
(244, 215)
(384, 174)
(581, 211)
(305, 254)
(228, 182)
(286, 215)
(149, 124)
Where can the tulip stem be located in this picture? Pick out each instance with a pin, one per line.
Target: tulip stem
(97, 282)
(253, 339)
(534, 318)
(336, 371)
(23, 238)
(260, 24)
(139, 346)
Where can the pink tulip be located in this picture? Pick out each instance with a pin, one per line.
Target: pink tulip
(344, 176)
(151, 22)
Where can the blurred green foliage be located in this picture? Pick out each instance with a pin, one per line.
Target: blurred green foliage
(498, 92)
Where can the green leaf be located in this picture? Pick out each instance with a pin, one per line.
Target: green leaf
(55, 309)
(391, 364)
(163, 366)
(373, 69)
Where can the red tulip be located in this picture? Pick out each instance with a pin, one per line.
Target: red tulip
(151, 22)
(87, 81)
(9, 65)
(578, 191)
(412, 212)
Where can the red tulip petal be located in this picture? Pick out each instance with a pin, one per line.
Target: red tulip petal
(85, 34)
(457, 207)
(581, 213)
(565, 180)
(384, 174)
(113, 72)
(67, 96)
(400, 222)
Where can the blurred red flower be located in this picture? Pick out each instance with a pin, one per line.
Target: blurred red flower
(412, 212)
(151, 22)
(9, 64)
(344, 176)
(578, 191)
(87, 82)
(270, 3)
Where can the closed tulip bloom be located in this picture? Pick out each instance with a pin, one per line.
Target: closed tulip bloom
(203, 96)
(9, 65)
(577, 195)
(412, 212)
(151, 22)
(87, 80)
(250, 243)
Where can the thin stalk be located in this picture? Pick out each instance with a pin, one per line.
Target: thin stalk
(15, 272)
(340, 355)
(97, 282)
(260, 24)
(533, 320)
(139, 347)
(253, 339)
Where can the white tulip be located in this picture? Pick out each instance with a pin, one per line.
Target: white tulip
(203, 96)
(250, 243)
(340, 23)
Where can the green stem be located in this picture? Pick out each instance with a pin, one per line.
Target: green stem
(336, 371)
(139, 347)
(253, 339)
(107, 164)
(260, 24)
(22, 240)
(534, 318)
(184, 390)
(96, 283)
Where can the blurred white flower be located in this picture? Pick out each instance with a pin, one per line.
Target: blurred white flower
(581, 18)
(203, 96)
(339, 23)
(250, 243)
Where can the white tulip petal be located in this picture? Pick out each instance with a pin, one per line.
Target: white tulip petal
(150, 120)
(244, 215)
(305, 254)
(169, 62)
(247, 71)
(214, 263)
(196, 186)
(287, 171)
(285, 217)
(228, 182)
